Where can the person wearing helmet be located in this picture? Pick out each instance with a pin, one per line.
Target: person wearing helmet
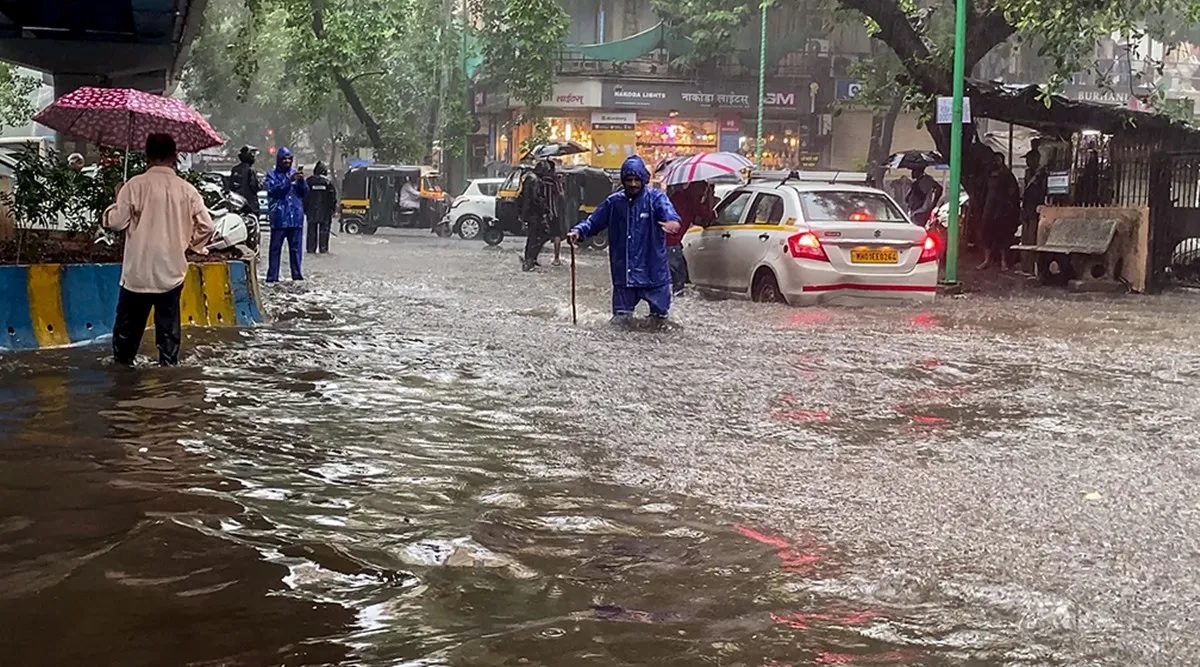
(244, 180)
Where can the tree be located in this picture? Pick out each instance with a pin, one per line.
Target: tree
(304, 63)
(16, 89)
(521, 42)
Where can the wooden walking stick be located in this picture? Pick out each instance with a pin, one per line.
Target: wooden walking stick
(574, 317)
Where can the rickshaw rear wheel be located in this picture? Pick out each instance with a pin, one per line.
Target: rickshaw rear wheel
(493, 235)
(600, 241)
(353, 226)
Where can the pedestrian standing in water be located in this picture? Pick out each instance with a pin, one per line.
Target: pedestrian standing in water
(286, 190)
(1001, 214)
(244, 180)
(319, 206)
(163, 217)
(541, 199)
(638, 219)
(694, 204)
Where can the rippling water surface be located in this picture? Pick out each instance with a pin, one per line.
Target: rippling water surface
(421, 462)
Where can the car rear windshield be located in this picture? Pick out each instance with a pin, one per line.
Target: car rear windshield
(834, 206)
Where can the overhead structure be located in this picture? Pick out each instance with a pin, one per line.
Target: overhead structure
(108, 43)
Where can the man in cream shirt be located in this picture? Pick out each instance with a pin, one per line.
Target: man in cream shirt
(162, 216)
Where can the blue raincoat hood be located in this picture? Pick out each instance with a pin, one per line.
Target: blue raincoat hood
(283, 154)
(634, 166)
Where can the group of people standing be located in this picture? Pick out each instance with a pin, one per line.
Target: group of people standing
(1004, 206)
(292, 199)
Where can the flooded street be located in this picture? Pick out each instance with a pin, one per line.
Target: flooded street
(422, 462)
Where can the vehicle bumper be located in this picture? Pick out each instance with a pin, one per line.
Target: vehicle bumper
(812, 283)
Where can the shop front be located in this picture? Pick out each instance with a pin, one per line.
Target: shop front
(567, 116)
(675, 118)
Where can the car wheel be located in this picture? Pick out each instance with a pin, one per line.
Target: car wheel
(600, 241)
(469, 227)
(493, 235)
(766, 289)
(354, 227)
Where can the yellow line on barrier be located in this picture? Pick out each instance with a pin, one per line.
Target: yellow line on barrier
(45, 305)
(218, 297)
(191, 302)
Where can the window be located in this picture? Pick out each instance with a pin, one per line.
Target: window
(768, 210)
(488, 189)
(844, 206)
(730, 211)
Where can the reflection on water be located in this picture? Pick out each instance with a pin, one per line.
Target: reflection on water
(422, 463)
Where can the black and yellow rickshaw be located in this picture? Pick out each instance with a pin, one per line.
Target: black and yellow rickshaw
(375, 196)
(583, 190)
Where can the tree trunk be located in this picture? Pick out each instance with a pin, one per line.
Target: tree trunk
(346, 85)
(883, 129)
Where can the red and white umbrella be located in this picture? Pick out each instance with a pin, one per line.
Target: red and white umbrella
(123, 118)
(705, 167)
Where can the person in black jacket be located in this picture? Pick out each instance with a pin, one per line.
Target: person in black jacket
(244, 180)
(319, 206)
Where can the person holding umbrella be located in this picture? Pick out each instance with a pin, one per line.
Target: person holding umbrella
(286, 189)
(163, 217)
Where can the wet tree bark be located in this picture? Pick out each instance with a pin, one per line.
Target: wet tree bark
(346, 85)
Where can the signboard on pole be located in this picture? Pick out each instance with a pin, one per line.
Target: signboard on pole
(1058, 183)
(945, 110)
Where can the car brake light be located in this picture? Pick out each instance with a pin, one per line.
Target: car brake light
(929, 249)
(807, 246)
(860, 216)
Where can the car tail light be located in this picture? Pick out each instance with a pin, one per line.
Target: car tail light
(929, 249)
(860, 216)
(807, 246)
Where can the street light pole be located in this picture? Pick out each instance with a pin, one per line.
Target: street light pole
(956, 138)
(762, 84)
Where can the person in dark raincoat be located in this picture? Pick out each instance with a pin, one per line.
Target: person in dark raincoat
(541, 209)
(319, 206)
(638, 219)
(286, 190)
(1001, 213)
(244, 180)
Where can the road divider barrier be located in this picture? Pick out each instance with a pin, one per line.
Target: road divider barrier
(52, 305)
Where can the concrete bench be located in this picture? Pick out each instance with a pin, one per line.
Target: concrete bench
(1076, 236)
(1075, 254)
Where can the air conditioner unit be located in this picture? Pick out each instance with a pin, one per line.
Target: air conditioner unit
(820, 47)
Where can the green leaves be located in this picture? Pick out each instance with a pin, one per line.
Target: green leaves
(16, 107)
(521, 41)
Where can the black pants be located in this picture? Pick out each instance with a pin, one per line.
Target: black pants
(133, 310)
(679, 267)
(318, 236)
(540, 231)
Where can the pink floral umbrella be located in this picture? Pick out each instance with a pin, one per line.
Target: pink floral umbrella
(123, 118)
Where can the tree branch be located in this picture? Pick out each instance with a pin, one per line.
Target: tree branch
(899, 33)
(347, 85)
(985, 32)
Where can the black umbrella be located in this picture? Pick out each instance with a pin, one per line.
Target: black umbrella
(913, 159)
(554, 149)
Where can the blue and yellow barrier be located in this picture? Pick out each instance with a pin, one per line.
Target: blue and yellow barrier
(50, 305)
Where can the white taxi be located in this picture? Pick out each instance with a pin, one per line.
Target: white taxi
(805, 242)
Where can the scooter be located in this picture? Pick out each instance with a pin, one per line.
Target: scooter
(233, 228)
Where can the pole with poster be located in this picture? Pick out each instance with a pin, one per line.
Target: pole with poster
(956, 139)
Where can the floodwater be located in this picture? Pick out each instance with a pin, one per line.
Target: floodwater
(422, 462)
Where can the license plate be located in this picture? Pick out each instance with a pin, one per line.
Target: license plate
(874, 256)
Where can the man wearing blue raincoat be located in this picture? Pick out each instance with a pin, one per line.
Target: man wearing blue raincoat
(286, 190)
(638, 219)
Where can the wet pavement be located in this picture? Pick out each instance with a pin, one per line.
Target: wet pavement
(422, 462)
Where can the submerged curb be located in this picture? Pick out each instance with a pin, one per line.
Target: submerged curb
(55, 305)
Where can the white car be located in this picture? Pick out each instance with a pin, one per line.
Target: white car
(477, 202)
(806, 242)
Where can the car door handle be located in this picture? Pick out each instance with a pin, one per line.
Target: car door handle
(726, 235)
(764, 236)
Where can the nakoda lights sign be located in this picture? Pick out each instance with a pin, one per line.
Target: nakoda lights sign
(682, 97)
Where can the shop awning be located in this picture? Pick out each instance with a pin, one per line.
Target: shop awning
(634, 46)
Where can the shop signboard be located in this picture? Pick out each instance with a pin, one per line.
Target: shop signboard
(694, 99)
(614, 137)
(847, 89)
(730, 133)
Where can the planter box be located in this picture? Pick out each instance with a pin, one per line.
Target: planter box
(52, 305)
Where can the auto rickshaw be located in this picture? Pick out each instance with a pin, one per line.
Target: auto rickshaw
(372, 198)
(584, 188)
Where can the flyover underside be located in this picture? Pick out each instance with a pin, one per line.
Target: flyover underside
(117, 43)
